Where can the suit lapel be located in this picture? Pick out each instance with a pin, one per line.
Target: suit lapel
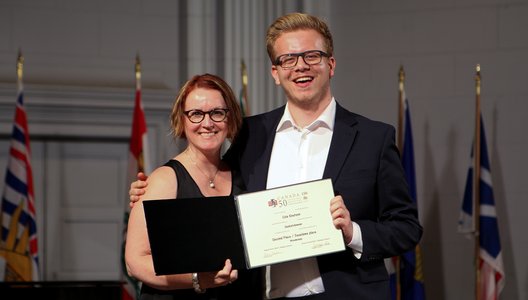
(340, 146)
(342, 141)
(258, 179)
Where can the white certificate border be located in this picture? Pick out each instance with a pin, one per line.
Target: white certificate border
(336, 242)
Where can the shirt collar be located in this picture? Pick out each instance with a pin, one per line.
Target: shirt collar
(327, 118)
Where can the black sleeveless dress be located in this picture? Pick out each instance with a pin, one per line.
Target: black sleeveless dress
(187, 188)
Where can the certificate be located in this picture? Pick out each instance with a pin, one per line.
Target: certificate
(288, 223)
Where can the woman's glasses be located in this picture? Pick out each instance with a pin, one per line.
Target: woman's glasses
(197, 116)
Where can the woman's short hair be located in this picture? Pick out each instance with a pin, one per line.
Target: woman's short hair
(206, 81)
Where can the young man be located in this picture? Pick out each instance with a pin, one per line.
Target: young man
(313, 137)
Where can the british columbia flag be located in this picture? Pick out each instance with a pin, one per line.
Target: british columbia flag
(18, 245)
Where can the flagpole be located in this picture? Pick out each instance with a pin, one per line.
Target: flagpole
(141, 159)
(476, 184)
(138, 73)
(401, 79)
(244, 87)
(20, 69)
(401, 108)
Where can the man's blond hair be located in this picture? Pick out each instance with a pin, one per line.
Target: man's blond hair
(297, 21)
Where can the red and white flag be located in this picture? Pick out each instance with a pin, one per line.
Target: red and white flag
(138, 161)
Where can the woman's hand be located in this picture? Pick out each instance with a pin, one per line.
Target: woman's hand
(223, 277)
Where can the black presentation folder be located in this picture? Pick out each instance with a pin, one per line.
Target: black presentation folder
(194, 234)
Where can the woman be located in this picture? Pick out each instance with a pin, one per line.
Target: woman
(205, 113)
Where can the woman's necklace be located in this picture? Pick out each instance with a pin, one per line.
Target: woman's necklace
(211, 180)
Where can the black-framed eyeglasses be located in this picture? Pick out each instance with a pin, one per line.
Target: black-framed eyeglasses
(197, 116)
(311, 57)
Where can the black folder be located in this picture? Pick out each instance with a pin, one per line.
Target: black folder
(194, 234)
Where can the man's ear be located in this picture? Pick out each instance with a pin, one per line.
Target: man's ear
(332, 65)
(275, 74)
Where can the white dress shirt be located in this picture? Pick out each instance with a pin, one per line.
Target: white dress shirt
(299, 155)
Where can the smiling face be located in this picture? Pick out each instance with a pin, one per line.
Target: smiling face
(305, 85)
(207, 136)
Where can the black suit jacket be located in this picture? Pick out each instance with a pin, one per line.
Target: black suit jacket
(364, 165)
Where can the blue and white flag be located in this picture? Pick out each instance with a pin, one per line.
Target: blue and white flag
(490, 266)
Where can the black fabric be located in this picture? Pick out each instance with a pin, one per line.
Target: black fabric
(190, 234)
(187, 187)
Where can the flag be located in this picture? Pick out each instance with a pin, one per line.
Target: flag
(405, 271)
(490, 265)
(18, 245)
(410, 265)
(391, 264)
(138, 161)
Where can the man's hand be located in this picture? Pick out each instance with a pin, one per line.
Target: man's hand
(341, 218)
(137, 188)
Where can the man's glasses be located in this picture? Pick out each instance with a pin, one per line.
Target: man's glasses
(197, 116)
(288, 61)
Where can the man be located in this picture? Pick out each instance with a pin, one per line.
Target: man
(313, 137)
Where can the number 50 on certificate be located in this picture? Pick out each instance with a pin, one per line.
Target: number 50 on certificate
(288, 223)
